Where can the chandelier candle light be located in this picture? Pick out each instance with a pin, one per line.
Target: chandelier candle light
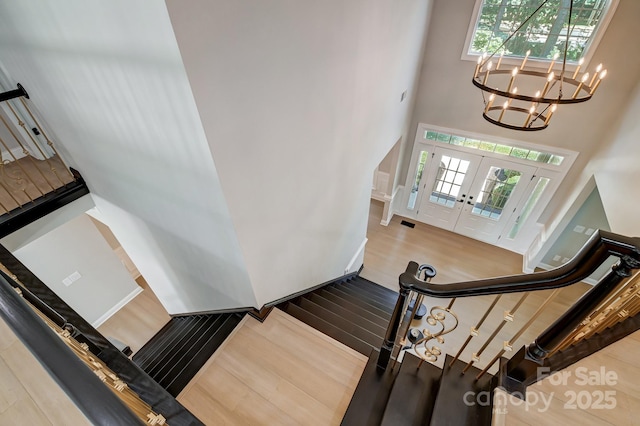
(506, 107)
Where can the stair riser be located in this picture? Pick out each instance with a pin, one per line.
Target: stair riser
(365, 323)
(359, 302)
(380, 320)
(328, 329)
(158, 344)
(181, 354)
(345, 325)
(172, 348)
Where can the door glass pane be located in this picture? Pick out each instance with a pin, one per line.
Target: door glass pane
(422, 160)
(529, 205)
(496, 190)
(451, 173)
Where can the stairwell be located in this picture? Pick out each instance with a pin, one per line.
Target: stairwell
(356, 312)
(177, 352)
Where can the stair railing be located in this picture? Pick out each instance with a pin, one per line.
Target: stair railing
(30, 165)
(99, 404)
(614, 298)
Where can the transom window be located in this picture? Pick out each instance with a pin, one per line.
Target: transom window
(544, 36)
(508, 150)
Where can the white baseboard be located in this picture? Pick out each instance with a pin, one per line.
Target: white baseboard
(128, 298)
(356, 256)
(17, 153)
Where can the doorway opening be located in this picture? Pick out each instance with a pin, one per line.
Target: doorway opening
(492, 191)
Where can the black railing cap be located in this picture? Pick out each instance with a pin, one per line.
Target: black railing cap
(598, 248)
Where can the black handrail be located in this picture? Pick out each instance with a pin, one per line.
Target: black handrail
(99, 404)
(600, 246)
(58, 319)
(596, 251)
(15, 93)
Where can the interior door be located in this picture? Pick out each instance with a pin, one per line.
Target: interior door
(493, 196)
(447, 185)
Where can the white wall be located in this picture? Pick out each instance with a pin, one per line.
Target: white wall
(446, 96)
(300, 102)
(108, 78)
(42, 226)
(105, 284)
(617, 172)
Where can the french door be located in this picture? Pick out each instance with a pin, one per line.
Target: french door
(472, 195)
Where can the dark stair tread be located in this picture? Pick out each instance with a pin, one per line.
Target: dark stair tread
(380, 288)
(167, 334)
(387, 302)
(177, 379)
(344, 324)
(177, 352)
(364, 297)
(362, 311)
(450, 408)
(374, 288)
(194, 337)
(378, 328)
(189, 328)
(359, 302)
(414, 393)
(371, 395)
(328, 329)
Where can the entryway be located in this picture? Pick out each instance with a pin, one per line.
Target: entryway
(480, 187)
(471, 194)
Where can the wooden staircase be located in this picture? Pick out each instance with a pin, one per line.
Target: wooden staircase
(177, 352)
(356, 311)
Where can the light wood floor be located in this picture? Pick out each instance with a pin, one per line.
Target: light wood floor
(28, 395)
(554, 401)
(458, 258)
(280, 372)
(138, 321)
(250, 363)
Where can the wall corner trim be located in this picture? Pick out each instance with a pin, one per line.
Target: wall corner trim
(128, 298)
(356, 255)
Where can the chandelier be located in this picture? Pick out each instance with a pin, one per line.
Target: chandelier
(521, 98)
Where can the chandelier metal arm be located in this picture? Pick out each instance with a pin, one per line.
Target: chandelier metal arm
(512, 127)
(527, 98)
(507, 107)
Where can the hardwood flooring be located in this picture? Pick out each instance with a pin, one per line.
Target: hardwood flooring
(284, 372)
(138, 321)
(26, 179)
(613, 398)
(28, 395)
(279, 372)
(458, 258)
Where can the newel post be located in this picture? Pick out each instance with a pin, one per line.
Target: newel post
(392, 329)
